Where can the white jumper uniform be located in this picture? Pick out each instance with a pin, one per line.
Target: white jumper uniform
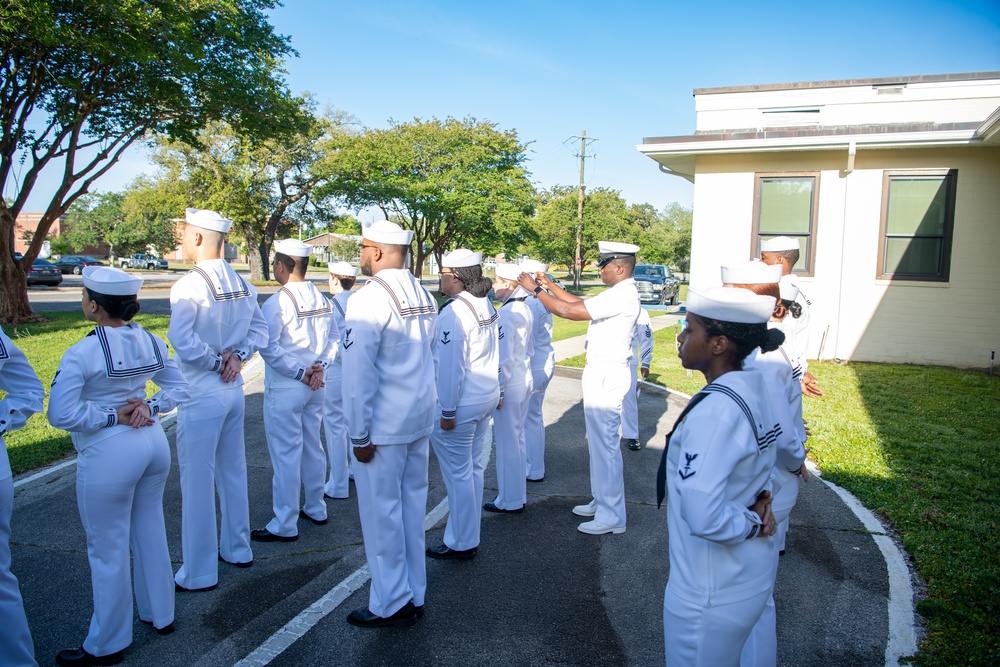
(389, 400)
(338, 448)
(302, 333)
(796, 329)
(467, 360)
(605, 382)
(543, 365)
(516, 347)
(719, 460)
(212, 310)
(120, 474)
(642, 355)
(24, 398)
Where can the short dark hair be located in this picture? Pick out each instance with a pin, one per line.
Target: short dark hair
(118, 307)
(347, 282)
(296, 265)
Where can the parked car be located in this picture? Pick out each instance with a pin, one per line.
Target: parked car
(656, 284)
(142, 262)
(44, 272)
(74, 263)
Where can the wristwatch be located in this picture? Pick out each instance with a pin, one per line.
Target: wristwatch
(538, 289)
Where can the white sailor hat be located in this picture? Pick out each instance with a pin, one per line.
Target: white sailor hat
(342, 269)
(509, 271)
(293, 248)
(728, 304)
(111, 281)
(534, 266)
(389, 233)
(207, 220)
(610, 250)
(789, 290)
(460, 258)
(779, 244)
(753, 272)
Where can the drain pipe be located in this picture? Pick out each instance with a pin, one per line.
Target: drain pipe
(852, 150)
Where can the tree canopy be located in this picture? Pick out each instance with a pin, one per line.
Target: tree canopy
(81, 81)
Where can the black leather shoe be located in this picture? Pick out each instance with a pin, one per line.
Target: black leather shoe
(540, 479)
(491, 507)
(419, 610)
(249, 563)
(165, 630)
(407, 615)
(633, 444)
(444, 552)
(181, 589)
(80, 658)
(264, 535)
(318, 522)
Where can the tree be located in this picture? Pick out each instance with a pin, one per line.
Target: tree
(453, 182)
(666, 237)
(137, 220)
(81, 81)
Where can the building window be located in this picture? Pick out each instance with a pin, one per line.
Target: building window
(918, 213)
(786, 205)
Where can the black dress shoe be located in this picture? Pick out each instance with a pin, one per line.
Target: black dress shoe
(80, 658)
(420, 610)
(318, 522)
(244, 565)
(181, 589)
(633, 444)
(491, 507)
(444, 552)
(540, 479)
(165, 630)
(264, 535)
(407, 615)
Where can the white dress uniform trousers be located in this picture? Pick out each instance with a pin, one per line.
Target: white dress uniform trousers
(642, 355)
(120, 474)
(24, 398)
(719, 459)
(467, 357)
(605, 382)
(543, 365)
(213, 310)
(302, 333)
(386, 347)
(338, 448)
(517, 345)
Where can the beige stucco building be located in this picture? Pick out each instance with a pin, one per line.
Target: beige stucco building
(892, 187)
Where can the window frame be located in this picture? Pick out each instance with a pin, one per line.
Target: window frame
(951, 181)
(755, 235)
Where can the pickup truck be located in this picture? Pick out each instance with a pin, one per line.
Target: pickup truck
(142, 262)
(656, 284)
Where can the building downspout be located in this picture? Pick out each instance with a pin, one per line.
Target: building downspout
(852, 150)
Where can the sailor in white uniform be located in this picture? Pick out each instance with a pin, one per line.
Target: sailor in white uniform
(543, 365)
(783, 251)
(517, 327)
(716, 469)
(642, 357)
(99, 395)
(23, 398)
(467, 359)
(215, 326)
(389, 401)
(338, 449)
(612, 315)
(303, 340)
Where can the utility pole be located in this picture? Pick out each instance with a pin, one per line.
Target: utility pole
(579, 211)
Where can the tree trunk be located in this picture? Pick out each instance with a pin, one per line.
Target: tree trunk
(14, 304)
(257, 269)
(263, 254)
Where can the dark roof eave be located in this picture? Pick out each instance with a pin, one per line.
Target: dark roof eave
(834, 131)
(884, 81)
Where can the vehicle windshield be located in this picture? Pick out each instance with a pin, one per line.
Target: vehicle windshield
(648, 271)
(42, 262)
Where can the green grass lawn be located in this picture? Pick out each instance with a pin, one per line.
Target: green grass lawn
(916, 445)
(43, 344)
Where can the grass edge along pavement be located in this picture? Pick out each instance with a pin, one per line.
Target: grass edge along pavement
(913, 444)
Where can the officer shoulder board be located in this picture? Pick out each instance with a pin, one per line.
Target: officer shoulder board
(218, 293)
(428, 308)
(494, 315)
(325, 309)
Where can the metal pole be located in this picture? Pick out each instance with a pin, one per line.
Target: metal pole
(579, 212)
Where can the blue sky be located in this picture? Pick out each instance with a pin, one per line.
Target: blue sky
(619, 70)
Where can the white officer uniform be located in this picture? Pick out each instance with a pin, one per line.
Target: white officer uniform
(543, 365)
(121, 471)
(467, 360)
(302, 332)
(719, 460)
(613, 314)
(516, 348)
(642, 355)
(212, 310)
(389, 402)
(338, 448)
(796, 329)
(24, 398)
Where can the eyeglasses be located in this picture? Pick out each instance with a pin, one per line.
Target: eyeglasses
(604, 262)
